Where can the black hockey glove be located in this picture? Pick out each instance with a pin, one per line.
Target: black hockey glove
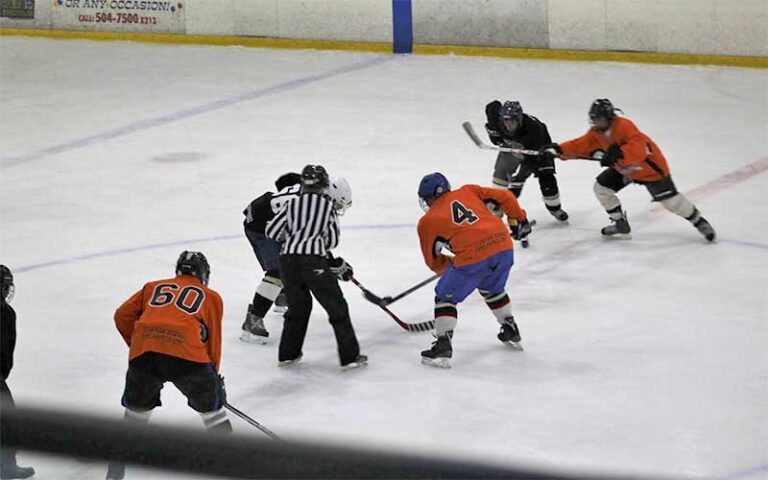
(520, 229)
(550, 151)
(612, 155)
(494, 135)
(341, 268)
(222, 390)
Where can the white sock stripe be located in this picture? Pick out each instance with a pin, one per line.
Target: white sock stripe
(273, 280)
(552, 201)
(268, 290)
(500, 183)
(211, 419)
(445, 305)
(495, 297)
(136, 416)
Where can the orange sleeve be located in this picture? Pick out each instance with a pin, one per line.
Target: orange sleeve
(504, 198)
(128, 313)
(214, 314)
(427, 238)
(582, 146)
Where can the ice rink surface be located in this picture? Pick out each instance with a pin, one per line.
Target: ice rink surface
(641, 357)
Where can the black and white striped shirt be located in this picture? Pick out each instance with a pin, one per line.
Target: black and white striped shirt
(306, 225)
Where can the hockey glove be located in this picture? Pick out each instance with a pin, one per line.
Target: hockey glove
(550, 151)
(222, 391)
(341, 268)
(520, 229)
(494, 135)
(612, 155)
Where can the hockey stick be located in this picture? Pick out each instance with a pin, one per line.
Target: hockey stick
(520, 151)
(383, 302)
(252, 422)
(411, 327)
(473, 136)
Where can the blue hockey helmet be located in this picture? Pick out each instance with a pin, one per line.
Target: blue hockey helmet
(195, 264)
(432, 186)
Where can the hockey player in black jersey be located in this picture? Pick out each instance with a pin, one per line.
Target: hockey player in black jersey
(8, 466)
(257, 214)
(308, 228)
(508, 126)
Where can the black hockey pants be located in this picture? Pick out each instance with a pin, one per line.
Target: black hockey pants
(304, 276)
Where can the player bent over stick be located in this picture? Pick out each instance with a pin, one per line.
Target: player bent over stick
(631, 157)
(461, 221)
(173, 329)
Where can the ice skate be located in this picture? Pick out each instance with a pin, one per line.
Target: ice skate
(15, 471)
(441, 352)
(509, 333)
(253, 329)
(281, 304)
(360, 361)
(619, 230)
(560, 215)
(115, 471)
(705, 228)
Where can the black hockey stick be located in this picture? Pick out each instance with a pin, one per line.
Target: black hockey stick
(411, 327)
(383, 302)
(520, 151)
(252, 421)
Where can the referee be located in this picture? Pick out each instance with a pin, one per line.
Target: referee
(308, 228)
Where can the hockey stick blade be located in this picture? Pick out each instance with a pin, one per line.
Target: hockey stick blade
(411, 327)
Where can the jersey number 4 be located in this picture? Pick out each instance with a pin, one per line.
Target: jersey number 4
(166, 293)
(462, 214)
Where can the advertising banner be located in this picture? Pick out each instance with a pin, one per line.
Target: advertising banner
(17, 8)
(146, 16)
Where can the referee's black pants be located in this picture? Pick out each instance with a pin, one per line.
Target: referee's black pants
(7, 454)
(304, 276)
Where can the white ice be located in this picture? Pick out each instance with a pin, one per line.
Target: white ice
(642, 357)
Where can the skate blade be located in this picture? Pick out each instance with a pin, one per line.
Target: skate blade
(515, 346)
(436, 362)
(248, 337)
(288, 363)
(618, 236)
(354, 366)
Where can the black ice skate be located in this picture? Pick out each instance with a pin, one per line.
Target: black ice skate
(115, 471)
(509, 333)
(441, 352)
(619, 230)
(281, 304)
(359, 361)
(705, 228)
(559, 214)
(253, 328)
(15, 471)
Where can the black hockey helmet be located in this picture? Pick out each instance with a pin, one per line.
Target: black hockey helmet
(511, 110)
(195, 264)
(7, 287)
(314, 177)
(287, 180)
(601, 108)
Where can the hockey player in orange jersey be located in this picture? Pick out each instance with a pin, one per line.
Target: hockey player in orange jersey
(173, 329)
(462, 222)
(631, 157)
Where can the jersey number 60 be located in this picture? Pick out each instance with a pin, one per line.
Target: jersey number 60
(165, 293)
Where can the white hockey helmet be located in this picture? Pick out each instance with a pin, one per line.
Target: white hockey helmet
(341, 194)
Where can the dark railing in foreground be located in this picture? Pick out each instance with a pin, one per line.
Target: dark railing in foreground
(233, 456)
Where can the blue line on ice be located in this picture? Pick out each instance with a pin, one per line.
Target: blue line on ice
(149, 123)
